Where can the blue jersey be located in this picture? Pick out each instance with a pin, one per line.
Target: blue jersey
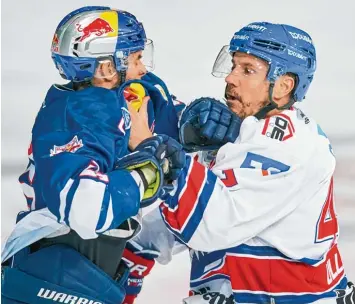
(163, 109)
(76, 139)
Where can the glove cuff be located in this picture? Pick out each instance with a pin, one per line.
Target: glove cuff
(129, 299)
(144, 180)
(139, 268)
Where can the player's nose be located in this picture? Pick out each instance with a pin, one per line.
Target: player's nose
(232, 79)
(142, 69)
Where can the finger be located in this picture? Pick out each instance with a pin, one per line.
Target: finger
(203, 117)
(165, 166)
(160, 152)
(143, 111)
(233, 131)
(209, 129)
(225, 118)
(131, 109)
(215, 114)
(204, 112)
(220, 133)
(144, 106)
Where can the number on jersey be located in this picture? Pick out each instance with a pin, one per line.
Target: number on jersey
(327, 225)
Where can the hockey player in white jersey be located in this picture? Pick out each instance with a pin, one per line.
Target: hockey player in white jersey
(261, 222)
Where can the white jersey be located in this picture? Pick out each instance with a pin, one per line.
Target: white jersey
(261, 222)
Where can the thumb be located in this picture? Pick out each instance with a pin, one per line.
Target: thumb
(131, 109)
(143, 110)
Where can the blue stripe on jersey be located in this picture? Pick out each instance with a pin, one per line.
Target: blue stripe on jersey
(69, 201)
(173, 201)
(104, 209)
(245, 297)
(202, 202)
(321, 132)
(267, 251)
(215, 277)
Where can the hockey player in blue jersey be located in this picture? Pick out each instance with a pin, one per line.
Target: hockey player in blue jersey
(84, 194)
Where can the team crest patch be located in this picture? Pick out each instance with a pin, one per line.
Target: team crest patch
(125, 122)
(74, 145)
(161, 90)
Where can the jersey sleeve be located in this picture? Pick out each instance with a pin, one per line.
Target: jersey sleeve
(154, 243)
(165, 112)
(75, 156)
(251, 186)
(156, 237)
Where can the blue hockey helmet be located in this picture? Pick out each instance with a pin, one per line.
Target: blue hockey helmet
(93, 33)
(287, 49)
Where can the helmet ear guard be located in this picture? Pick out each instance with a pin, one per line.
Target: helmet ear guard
(69, 68)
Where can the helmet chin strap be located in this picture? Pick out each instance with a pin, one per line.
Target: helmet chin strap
(122, 73)
(273, 105)
(121, 77)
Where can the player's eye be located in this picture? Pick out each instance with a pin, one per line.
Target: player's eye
(248, 71)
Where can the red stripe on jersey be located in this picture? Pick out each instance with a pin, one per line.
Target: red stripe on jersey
(212, 163)
(291, 128)
(282, 276)
(188, 199)
(29, 151)
(169, 217)
(288, 119)
(265, 126)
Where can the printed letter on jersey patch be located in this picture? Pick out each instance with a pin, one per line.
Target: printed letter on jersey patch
(265, 164)
(74, 145)
(278, 127)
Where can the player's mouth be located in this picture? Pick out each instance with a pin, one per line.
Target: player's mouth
(233, 100)
(232, 97)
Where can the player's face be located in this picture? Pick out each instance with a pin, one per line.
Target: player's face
(136, 69)
(247, 86)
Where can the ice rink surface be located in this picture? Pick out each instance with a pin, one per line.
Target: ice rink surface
(187, 36)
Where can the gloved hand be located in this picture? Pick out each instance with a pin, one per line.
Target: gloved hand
(207, 124)
(158, 160)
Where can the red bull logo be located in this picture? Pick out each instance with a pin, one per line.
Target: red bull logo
(71, 147)
(98, 27)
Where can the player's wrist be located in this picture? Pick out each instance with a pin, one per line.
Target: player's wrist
(134, 141)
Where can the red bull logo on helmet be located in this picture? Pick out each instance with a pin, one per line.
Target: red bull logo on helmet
(98, 27)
